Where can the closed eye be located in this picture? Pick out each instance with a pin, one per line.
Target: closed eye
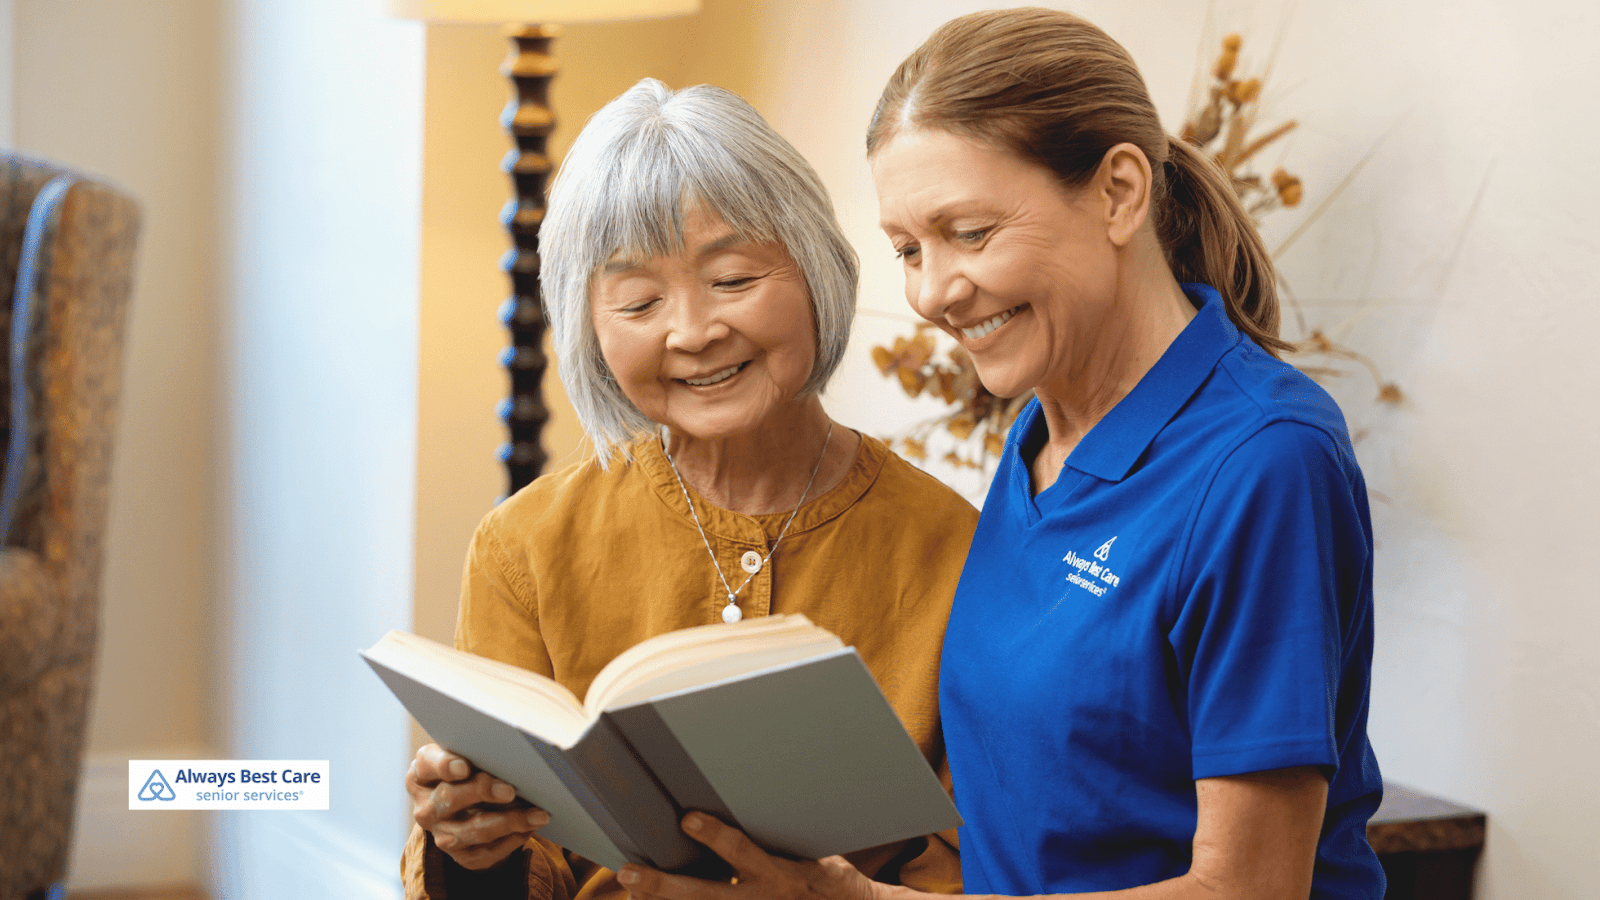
(734, 284)
(908, 253)
(641, 306)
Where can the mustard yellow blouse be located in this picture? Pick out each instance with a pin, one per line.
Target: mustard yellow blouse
(584, 563)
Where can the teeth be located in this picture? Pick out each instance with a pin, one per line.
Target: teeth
(724, 375)
(983, 328)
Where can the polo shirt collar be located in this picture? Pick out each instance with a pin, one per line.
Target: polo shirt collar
(1112, 447)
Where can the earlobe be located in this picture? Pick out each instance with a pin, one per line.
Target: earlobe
(1125, 178)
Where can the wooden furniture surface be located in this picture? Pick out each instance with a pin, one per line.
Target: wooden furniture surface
(1429, 846)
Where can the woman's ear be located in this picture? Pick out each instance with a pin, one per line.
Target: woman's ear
(1124, 180)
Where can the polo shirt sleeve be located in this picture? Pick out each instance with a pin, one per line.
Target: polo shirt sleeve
(1269, 577)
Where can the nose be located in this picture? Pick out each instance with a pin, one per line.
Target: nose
(696, 322)
(936, 285)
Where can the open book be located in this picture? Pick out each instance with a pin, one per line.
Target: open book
(770, 724)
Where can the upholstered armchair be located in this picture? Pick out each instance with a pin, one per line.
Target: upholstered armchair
(66, 258)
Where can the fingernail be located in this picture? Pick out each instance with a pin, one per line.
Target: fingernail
(538, 818)
(627, 876)
(459, 768)
(503, 792)
(692, 822)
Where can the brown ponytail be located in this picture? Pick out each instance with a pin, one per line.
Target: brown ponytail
(1208, 237)
(1057, 91)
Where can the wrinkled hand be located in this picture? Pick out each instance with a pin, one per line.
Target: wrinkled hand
(759, 873)
(473, 816)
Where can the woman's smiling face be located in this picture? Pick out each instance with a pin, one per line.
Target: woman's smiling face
(713, 341)
(998, 254)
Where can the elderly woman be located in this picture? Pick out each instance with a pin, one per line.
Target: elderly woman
(1156, 673)
(701, 294)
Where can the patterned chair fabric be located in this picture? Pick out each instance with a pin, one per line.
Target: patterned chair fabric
(66, 263)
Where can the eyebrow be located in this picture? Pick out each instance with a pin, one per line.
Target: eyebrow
(942, 214)
(721, 243)
(616, 266)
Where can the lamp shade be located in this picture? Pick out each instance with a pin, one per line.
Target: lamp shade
(500, 12)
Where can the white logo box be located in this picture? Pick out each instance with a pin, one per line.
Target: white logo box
(227, 784)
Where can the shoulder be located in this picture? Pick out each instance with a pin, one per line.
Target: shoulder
(1269, 391)
(921, 498)
(1252, 414)
(1272, 456)
(1287, 498)
(572, 497)
(1273, 428)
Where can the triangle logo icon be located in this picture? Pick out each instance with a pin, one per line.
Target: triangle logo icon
(156, 788)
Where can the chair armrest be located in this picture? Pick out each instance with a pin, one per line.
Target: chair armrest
(30, 616)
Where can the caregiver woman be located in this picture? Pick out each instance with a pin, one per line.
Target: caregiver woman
(1156, 673)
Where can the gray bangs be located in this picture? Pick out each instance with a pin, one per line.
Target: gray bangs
(657, 176)
(641, 164)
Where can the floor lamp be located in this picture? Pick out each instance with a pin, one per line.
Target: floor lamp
(530, 25)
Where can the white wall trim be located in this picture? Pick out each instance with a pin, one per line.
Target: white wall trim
(113, 846)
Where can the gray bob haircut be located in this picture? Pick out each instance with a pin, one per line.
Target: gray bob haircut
(640, 164)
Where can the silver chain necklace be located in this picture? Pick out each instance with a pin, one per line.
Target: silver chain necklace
(731, 613)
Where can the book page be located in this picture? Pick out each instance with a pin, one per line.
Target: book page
(694, 656)
(516, 696)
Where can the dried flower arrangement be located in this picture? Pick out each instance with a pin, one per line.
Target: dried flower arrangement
(1229, 113)
(1224, 126)
(978, 419)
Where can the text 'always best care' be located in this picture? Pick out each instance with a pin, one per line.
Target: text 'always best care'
(247, 776)
(227, 784)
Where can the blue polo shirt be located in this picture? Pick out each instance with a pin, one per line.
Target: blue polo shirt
(1191, 598)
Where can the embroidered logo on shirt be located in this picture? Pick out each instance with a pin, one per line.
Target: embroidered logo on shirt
(1090, 575)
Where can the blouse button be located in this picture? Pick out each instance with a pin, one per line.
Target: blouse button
(750, 561)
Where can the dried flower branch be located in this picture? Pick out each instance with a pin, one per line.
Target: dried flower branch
(1230, 110)
(954, 380)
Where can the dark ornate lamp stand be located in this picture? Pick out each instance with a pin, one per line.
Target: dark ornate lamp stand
(529, 120)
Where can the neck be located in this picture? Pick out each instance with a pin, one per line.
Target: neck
(1154, 311)
(766, 469)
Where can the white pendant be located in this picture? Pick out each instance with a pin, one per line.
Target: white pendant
(731, 613)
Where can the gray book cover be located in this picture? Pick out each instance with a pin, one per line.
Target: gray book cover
(807, 758)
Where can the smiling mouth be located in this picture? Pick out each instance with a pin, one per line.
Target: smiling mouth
(716, 377)
(988, 325)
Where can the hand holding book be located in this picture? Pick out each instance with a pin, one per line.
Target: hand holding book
(474, 817)
(759, 874)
